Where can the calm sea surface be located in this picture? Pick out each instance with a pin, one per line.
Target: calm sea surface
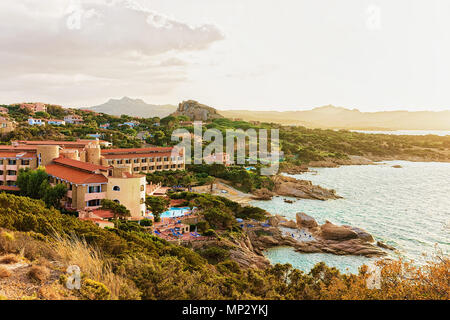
(408, 208)
(408, 132)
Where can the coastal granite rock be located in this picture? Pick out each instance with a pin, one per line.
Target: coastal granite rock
(326, 238)
(303, 220)
(291, 187)
(329, 231)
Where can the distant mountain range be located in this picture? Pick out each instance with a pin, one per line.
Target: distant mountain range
(341, 118)
(134, 107)
(322, 117)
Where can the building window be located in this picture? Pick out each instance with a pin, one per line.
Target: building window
(25, 162)
(95, 189)
(11, 173)
(158, 159)
(142, 187)
(136, 169)
(166, 158)
(173, 166)
(12, 162)
(1, 161)
(116, 188)
(116, 201)
(93, 203)
(158, 167)
(144, 168)
(180, 165)
(119, 161)
(144, 160)
(152, 167)
(127, 161)
(166, 166)
(136, 160)
(152, 159)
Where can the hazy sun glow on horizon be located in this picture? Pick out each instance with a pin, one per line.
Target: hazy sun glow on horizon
(372, 55)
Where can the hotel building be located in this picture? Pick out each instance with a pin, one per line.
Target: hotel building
(90, 173)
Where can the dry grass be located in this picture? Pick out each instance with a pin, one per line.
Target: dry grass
(24, 245)
(9, 259)
(4, 273)
(39, 273)
(75, 251)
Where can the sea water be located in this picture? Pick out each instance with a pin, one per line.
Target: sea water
(407, 208)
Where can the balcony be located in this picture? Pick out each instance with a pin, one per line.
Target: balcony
(93, 196)
(11, 178)
(11, 167)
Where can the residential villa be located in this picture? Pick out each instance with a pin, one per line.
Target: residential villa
(73, 119)
(4, 110)
(41, 122)
(90, 173)
(36, 122)
(6, 125)
(56, 122)
(34, 107)
(221, 157)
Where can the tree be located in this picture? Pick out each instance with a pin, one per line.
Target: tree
(35, 184)
(53, 195)
(218, 218)
(157, 205)
(210, 180)
(188, 181)
(119, 210)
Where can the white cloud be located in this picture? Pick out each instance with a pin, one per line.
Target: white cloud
(115, 40)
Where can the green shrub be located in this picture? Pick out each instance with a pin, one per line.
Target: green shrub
(93, 290)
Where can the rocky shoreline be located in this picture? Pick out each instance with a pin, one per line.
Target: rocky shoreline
(291, 187)
(326, 238)
(304, 235)
(357, 161)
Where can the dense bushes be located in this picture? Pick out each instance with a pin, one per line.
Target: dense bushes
(35, 184)
(143, 266)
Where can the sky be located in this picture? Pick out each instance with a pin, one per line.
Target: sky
(373, 55)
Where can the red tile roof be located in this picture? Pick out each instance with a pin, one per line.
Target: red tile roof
(9, 188)
(132, 175)
(104, 214)
(79, 164)
(137, 150)
(16, 154)
(74, 175)
(136, 155)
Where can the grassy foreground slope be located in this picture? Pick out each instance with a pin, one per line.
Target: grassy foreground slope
(127, 263)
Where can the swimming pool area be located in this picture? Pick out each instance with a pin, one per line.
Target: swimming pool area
(175, 212)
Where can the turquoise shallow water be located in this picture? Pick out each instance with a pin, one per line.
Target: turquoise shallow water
(408, 208)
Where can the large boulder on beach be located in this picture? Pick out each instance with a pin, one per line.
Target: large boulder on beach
(273, 221)
(330, 231)
(362, 234)
(262, 194)
(305, 221)
(288, 224)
